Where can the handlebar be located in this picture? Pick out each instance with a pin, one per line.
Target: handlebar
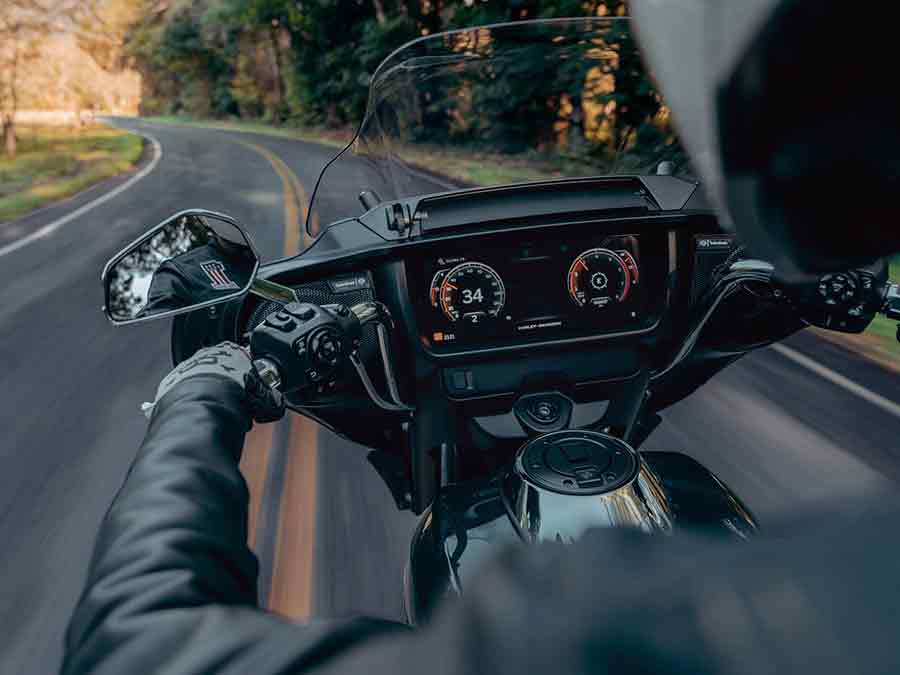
(739, 273)
(302, 345)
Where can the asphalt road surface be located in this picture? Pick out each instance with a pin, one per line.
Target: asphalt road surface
(788, 430)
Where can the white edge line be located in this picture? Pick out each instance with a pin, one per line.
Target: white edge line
(50, 228)
(881, 402)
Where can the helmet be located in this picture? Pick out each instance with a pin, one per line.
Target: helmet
(789, 112)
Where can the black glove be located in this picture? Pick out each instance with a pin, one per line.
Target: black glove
(264, 404)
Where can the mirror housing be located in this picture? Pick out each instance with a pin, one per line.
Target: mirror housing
(192, 260)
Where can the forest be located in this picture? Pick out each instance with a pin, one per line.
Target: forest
(576, 99)
(308, 63)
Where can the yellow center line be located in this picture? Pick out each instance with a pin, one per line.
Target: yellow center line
(293, 574)
(254, 463)
(296, 205)
(293, 569)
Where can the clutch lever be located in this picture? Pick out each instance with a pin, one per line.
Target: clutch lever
(377, 313)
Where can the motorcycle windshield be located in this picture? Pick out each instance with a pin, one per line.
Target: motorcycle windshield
(502, 104)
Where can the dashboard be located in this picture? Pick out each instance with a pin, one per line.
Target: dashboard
(525, 288)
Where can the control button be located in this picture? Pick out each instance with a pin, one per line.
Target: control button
(342, 311)
(549, 411)
(300, 310)
(459, 380)
(546, 412)
(326, 348)
(313, 375)
(281, 321)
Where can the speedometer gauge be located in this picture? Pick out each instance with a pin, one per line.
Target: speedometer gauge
(598, 278)
(472, 292)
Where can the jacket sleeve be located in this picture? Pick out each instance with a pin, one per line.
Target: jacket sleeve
(172, 584)
(172, 588)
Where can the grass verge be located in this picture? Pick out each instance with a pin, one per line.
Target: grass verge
(57, 162)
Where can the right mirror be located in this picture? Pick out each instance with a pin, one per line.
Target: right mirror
(194, 259)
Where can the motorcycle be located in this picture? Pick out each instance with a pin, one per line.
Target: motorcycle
(504, 348)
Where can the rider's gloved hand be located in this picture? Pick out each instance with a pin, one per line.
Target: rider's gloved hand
(230, 361)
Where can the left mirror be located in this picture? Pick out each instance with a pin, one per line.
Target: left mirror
(194, 259)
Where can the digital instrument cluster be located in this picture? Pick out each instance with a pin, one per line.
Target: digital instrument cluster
(497, 295)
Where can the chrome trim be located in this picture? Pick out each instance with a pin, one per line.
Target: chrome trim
(540, 514)
(383, 345)
(184, 310)
(752, 266)
(373, 392)
(367, 312)
(270, 290)
(268, 372)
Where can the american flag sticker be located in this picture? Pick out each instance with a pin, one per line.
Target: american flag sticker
(218, 279)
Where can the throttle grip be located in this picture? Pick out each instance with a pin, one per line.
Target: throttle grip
(305, 344)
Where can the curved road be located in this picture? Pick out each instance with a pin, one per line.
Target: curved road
(784, 431)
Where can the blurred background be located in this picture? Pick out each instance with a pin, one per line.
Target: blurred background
(114, 114)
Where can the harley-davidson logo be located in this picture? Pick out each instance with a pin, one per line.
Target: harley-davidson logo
(218, 278)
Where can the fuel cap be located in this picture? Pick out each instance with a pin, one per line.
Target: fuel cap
(577, 462)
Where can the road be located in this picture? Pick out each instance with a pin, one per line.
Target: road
(783, 435)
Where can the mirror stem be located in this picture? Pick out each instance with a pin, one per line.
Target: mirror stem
(269, 290)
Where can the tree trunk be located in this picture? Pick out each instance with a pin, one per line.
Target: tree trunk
(9, 137)
(380, 16)
(276, 66)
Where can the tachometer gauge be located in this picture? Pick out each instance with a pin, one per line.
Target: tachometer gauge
(632, 266)
(598, 278)
(472, 292)
(435, 293)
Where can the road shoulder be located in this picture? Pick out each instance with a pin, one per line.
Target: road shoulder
(44, 221)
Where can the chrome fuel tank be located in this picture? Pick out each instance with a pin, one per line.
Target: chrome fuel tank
(560, 486)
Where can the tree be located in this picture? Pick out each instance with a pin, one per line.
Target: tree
(23, 25)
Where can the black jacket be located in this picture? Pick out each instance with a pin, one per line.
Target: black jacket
(172, 588)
